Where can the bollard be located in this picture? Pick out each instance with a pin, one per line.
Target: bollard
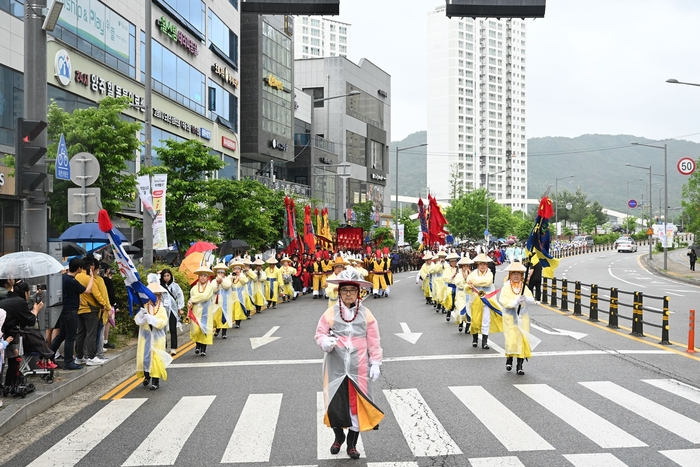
(577, 298)
(544, 290)
(564, 295)
(637, 316)
(664, 327)
(691, 333)
(553, 297)
(612, 321)
(593, 314)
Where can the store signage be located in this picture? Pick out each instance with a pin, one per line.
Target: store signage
(226, 75)
(170, 30)
(7, 182)
(174, 121)
(98, 84)
(376, 176)
(325, 160)
(382, 93)
(274, 82)
(97, 24)
(204, 133)
(228, 143)
(63, 70)
(280, 146)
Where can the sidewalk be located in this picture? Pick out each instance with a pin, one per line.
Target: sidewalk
(677, 263)
(15, 410)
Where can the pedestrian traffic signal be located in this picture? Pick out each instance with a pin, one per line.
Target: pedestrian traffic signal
(28, 175)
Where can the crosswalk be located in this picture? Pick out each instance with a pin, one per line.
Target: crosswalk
(412, 431)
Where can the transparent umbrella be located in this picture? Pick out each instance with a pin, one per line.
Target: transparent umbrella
(26, 264)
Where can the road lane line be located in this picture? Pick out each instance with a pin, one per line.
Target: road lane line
(325, 436)
(684, 457)
(591, 425)
(510, 461)
(683, 390)
(507, 427)
(604, 459)
(425, 435)
(165, 441)
(71, 449)
(674, 422)
(252, 438)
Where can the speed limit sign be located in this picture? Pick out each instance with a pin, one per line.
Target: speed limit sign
(686, 166)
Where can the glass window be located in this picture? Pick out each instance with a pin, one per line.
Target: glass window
(13, 7)
(191, 11)
(355, 150)
(364, 107)
(223, 104)
(221, 36)
(377, 152)
(11, 103)
(230, 170)
(277, 61)
(234, 3)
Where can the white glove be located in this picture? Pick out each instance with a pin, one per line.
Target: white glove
(374, 372)
(150, 319)
(328, 343)
(521, 299)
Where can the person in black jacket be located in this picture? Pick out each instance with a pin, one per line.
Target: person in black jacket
(19, 314)
(534, 282)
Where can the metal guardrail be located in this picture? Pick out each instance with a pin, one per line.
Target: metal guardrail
(580, 250)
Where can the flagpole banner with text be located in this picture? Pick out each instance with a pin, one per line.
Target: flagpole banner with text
(143, 185)
(160, 233)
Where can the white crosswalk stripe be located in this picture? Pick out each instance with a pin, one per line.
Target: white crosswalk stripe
(674, 422)
(255, 431)
(684, 457)
(603, 459)
(509, 461)
(676, 387)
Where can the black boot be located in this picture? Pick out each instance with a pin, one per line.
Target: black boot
(448, 316)
(146, 379)
(155, 384)
(509, 363)
(475, 340)
(485, 342)
(339, 440)
(352, 442)
(197, 348)
(203, 350)
(223, 333)
(216, 332)
(460, 327)
(519, 366)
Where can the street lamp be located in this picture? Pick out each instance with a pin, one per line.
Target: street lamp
(487, 234)
(556, 204)
(675, 81)
(650, 203)
(665, 148)
(627, 222)
(396, 190)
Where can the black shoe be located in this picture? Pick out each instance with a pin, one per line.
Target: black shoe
(485, 342)
(339, 440)
(353, 453)
(203, 354)
(475, 340)
(109, 346)
(146, 381)
(460, 327)
(72, 366)
(376, 296)
(352, 442)
(216, 333)
(519, 367)
(237, 326)
(509, 363)
(224, 336)
(196, 351)
(448, 317)
(154, 387)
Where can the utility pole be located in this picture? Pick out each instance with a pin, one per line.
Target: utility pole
(147, 219)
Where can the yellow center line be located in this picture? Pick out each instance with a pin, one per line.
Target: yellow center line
(130, 383)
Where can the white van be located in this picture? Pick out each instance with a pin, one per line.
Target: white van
(584, 240)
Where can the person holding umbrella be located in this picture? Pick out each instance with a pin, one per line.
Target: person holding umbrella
(201, 310)
(151, 357)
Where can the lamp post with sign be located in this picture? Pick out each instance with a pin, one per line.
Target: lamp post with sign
(631, 203)
(396, 191)
(650, 203)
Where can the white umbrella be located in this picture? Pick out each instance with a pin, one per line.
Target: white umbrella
(26, 264)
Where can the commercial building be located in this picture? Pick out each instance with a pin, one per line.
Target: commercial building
(98, 49)
(321, 36)
(477, 107)
(351, 110)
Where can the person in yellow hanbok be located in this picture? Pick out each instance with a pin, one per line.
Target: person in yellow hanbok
(516, 319)
(358, 264)
(287, 286)
(462, 312)
(258, 278)
(151, 357)
(424, 274)
(238, 296)
(332, 288)
(222, 302)
(486, 313)
(272, 283)
(450, 289)
(438, 270)
(380, 281)
(201, 309)
(248, 292)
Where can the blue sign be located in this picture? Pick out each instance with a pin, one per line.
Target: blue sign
(204, 133)
(62, 163)
(632, 203)
(449, 239)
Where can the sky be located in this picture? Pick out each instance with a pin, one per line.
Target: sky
(593, 66)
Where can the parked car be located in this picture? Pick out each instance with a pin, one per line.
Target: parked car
(626, 245)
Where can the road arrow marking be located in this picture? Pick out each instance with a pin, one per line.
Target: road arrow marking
(256, 342)
(407, 335)
(560, 332)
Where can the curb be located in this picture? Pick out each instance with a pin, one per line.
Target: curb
(666, 273)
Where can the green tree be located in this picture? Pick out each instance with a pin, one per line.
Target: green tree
(467, 214)
(191, 197)
(691, 203)
(410, 227)
(104, 132)
(250, 211)
(588, 224)
(629, 224)
(363, 213)
(383, 236)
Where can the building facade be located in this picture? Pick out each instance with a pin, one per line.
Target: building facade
(98, 49)
(351, 109)
(321, 36)
(477, 107)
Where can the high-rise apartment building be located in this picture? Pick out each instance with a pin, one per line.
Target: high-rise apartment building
(476, 107)
(319, 36)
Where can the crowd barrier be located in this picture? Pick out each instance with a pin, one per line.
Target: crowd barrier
(558, 297)
(580, 250)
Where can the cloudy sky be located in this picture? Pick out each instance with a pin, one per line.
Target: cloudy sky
(593, 66)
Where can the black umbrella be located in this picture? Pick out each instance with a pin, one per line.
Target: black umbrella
(131, 249)
(232, 247)
(73, 249)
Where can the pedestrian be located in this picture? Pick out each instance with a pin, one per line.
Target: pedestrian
(106, 272)
(534, 282)
(151, 357)
(692, 256)
(90, 312)
(424, 276)
(514, 298)
(485, 313)
(174, 306)
(201, 308)
(349, 335)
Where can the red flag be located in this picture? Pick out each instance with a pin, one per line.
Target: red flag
(309, 235)
(436, 223)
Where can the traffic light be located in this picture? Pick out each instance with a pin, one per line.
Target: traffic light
(28, 176)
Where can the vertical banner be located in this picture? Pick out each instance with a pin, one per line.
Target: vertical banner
(401, 240)
(143, 185)
(160, 234)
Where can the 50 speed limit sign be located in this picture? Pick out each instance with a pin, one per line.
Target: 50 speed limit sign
(686, 166)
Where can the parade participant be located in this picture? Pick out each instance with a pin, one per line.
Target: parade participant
(287, 286)
(318, 276)
(273, 283)
(349, 334)
(438, 271)
(151, 357)
(297, 282)
(424, 274)
(174, 306)
(327, 268)
(516, 319)
(462, 312)
(485, 313)
(307, 267)
(380, 282)
(259, 280)
(450, 289)
(332, 288)
(239, 300)
(248, 291)
(223, 301)
(201, 308)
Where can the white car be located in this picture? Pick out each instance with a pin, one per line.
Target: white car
(626, 245)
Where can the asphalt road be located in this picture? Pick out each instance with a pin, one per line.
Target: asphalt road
(591, 396)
